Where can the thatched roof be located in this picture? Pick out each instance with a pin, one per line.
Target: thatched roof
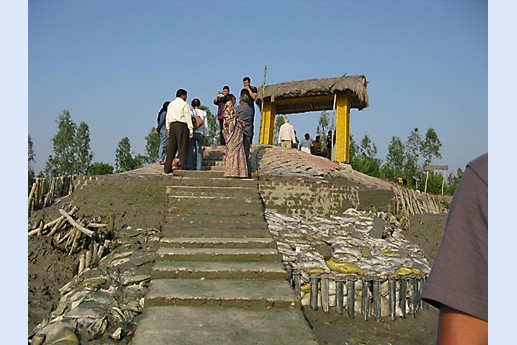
(325, 88)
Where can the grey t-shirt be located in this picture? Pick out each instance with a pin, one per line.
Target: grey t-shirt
(459, 276)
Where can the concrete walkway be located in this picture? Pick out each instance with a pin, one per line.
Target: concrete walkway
(219, 278)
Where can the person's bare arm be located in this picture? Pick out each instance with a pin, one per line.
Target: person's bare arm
(457, 328)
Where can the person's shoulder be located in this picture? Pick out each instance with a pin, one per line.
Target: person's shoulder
(480, 166)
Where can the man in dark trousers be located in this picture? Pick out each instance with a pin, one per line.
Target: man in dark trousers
(179, 130)
(250, 91)
(245, 113)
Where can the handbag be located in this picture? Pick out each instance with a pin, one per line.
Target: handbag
(197, 121)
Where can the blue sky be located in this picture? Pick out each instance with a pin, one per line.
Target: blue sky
(113, 63)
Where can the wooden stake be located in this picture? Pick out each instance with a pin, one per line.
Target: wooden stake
(61, 240)
(81, 264)
(77, 234)
(76, 225)
(88, 259)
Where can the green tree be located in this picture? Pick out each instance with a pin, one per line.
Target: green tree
(430, 146)
(139, 161)
(412, 151)
(151, 147)
(365, 159)
(394, 165)
(323, 127)
(454, 180)
(353, 149)
(84, 156)
(98, 168)
(279, 121)
(124, 160)
(30, 165)
(435, 182)
(63, 160)
(212, 138)
(72, 153)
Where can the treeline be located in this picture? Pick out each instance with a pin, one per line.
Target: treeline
(73, 156)
(405, 162)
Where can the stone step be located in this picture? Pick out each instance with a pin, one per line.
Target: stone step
(222, 292)
(179, 230)
(177, 180)
(201, 242)
(219, 254)
(210, 208)
(203, 174)
(212, 221)
(218, 270)
(212, 189)
(227, 201)
(177, 224)
(230, 326)
(202, 191)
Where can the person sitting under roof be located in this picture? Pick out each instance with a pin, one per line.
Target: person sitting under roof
(316, 147)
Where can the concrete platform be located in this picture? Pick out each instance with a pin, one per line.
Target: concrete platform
(222, 230)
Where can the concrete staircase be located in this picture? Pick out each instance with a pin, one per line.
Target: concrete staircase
(219, 278)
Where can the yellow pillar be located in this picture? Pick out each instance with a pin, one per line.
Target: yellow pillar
(267, 124)
(342, 129)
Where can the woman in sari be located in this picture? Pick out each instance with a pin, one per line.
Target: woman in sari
(235, 159)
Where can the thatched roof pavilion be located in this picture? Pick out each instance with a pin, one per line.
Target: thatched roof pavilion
(340, 94)
(323, 88)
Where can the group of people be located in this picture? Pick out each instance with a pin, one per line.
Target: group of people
(287, 139)
(180, 138)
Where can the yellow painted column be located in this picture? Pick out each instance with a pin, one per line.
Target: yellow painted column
(342, 129)
(267, 124)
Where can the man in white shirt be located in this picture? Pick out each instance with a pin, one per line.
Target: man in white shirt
(286, 136)
(179, 130)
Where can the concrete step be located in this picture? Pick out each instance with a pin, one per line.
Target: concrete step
(226, 201)
(211, 221)
(201, 242)
(234, 192)
(203, 174)
(212, 189)
(215, 210)
(240, 293)
(219, 254)
(182, 230)
(177, 180)
(218, 270)
(229, 326)
(174, 223)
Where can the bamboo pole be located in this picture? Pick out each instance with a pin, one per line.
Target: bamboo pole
(31, 194)
(77, 234)
(81, 264)
(57, 220)
(95, 253)
(57, 226)
(62, 239)
(88, 259)
(76, 225)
